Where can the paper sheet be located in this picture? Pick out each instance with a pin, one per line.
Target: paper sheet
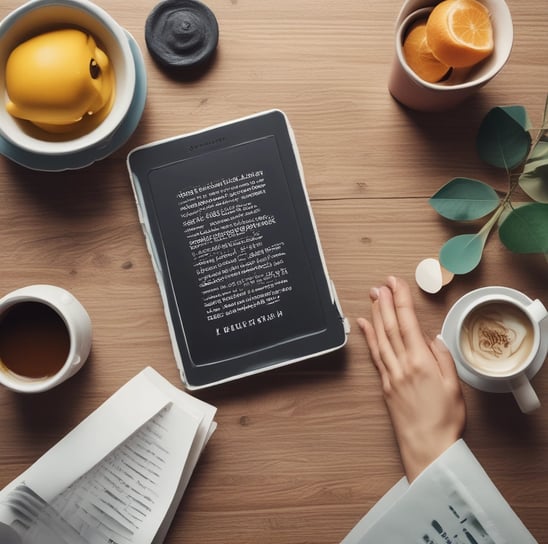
(119, 476)
(453, 501)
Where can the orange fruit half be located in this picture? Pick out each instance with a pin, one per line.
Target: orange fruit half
(460, 32)
(418, 54)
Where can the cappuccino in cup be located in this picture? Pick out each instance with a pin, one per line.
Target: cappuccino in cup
(497, 338)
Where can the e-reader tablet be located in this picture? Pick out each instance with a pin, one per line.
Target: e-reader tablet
(235, 250)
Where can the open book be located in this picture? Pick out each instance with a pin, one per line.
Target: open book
(119, 476)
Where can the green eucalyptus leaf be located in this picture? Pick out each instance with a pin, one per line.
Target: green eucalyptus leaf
(525, 230)
(534, 178)
(503, 138)
(539, 153)
(508, 209)
(519, 115)
(535, 183)
(464, 199)
(461, 254)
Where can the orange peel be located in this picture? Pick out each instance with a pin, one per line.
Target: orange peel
(419, 56)
(460, 33)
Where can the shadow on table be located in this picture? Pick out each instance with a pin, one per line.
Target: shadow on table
(54, 412)
(319, 370)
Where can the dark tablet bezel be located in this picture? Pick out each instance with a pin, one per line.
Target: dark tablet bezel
(255, 134)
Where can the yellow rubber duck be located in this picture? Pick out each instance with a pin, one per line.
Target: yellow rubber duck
(57, 79)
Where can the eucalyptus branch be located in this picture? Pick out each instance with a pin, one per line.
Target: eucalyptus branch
(504, 141)
(544, 125)
(486, 229)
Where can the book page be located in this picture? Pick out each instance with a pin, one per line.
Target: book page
(89, 442)
(128, 496)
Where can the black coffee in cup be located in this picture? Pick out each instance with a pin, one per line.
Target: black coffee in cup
(34, 341)
(497, 338)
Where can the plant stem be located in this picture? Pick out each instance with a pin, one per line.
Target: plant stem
(486, 229)
(513, 185)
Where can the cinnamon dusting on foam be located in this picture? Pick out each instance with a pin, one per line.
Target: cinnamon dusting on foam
(497, 338)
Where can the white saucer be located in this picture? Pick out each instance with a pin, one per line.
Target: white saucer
(37, 161)
(449, 330)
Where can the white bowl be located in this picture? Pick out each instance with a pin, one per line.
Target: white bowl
(421, 95)
(38, 16)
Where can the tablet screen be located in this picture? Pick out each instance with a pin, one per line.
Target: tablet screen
(236, 259)
(235, 249)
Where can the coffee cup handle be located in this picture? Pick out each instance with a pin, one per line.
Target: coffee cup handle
(538, 311)
(524, 394)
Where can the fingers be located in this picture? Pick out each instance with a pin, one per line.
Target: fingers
(382, 335)
(394, 327)
(445, 359)
(394, 335)
(371, 339)
(409, 327)
(387, 324)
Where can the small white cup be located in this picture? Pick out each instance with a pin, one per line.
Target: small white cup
(78, 327)
(415, 93)
(497, 369)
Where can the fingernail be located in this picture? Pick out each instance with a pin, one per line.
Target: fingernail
(374, 293)
(392, 281)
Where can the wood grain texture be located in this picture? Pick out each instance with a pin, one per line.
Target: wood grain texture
(301, 453)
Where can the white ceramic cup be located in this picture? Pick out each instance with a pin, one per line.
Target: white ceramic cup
(497, 366)
(38, 16)
(78, 326)
(415, 93)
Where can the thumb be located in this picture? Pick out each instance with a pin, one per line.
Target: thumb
(443, 356)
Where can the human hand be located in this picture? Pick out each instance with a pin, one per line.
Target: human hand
(419, 380)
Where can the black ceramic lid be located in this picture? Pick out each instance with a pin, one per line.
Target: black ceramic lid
(181, 33)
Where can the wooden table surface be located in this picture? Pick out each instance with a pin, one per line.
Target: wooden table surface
(300, 453)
